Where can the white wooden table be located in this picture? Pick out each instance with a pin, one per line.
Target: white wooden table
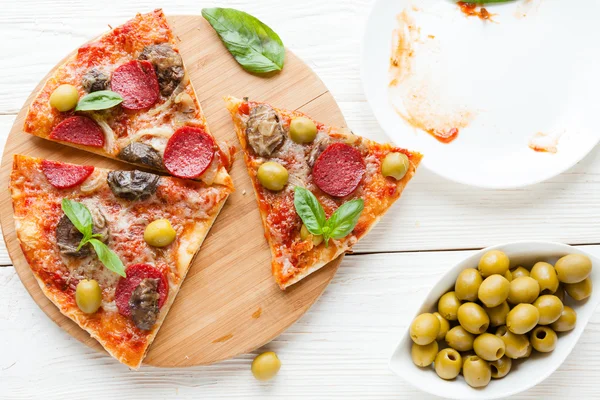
(340, 348)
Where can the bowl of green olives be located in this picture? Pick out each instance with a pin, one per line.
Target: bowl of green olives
(499, 322)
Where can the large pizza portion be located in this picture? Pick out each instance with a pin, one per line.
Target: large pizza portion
(110, 248)
(127, 96)
(319, 189)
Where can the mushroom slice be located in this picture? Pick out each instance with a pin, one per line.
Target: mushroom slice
(264, 131)
(132, 185)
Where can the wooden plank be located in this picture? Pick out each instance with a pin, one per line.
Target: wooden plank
(338, 350)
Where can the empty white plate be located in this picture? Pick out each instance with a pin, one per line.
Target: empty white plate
(529, 77)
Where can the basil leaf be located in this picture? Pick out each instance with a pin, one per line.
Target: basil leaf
(108, 257)
(100, 100)
(309, 209)
(344, 219)
(253, 44)
(80, 216)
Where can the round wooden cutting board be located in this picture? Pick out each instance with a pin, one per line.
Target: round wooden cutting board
(229, 303)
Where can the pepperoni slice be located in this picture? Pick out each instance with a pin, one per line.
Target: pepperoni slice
(136, 82)
(64, 176)
(339, 170)
(135, 274)
(189, 152)
(79, 130)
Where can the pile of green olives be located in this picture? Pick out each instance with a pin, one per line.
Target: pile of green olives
(496, 315)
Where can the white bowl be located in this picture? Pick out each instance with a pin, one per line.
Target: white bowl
(525, 374)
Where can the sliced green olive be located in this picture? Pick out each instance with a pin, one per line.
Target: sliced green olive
(272, 175)
(64, 98)
(88, 296)
(304, 234)
(159, 233)
(395, 165)
(266, 366)
(303, 130)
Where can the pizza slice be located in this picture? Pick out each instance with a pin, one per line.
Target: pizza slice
(127, 96)
(319, 189)
(142, 232)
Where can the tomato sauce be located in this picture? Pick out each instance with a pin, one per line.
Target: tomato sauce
(473, 10)
(445, 137)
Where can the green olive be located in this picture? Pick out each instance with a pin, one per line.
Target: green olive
(448, 363)
(523, 290)
(519, 272)
(459, 339)
(497, 314)
(424, 329)
(543, 339)
(304, 234)
(566, 321)
(448, 306)
(265, 366)
(528, 352)
(546, 277)
(508, 276)
(444, 326)
(494, 290)
(515, 346)
(489, 347)
(550, 307)
(573, 268)
(523, 318)
(88, 296)
(501, 367)
(493, 262)
(580, 290)
(272, 175)
(473, 318)
(423, 356)
(159, 233)
(467, 284)
(64, 98)
(395, 165)
(303, 130)
(477, 372)
(560, 292)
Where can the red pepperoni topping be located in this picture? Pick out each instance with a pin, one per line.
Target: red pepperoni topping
(135, 274)
(189, 152)
(136, 82)
(339, 170)
(64, 176)
(79, 130)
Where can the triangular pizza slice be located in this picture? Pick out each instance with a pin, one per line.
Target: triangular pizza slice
(285, 150)
(127, 95)
(153, 225)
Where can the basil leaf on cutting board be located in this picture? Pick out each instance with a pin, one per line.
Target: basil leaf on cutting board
(100, 100)
(255, 46)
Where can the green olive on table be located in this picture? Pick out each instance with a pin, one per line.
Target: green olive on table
(64, 98)
(543, 339)
(493, 262)
(423, 356)
(460, 339)
(550, 307)
(566, 321)
(477, 372)
(522, 318)
(516, 346)
(159, 233)
(573, 268)
(395, 165)
(580, 290)
(444, 326)
(519, 272)
(497, 314)
(448, 363)
(493, 290)
(272, 175)
(265, 366)
(424, 329)
(489, 347)
(467, 284)
(546, 277)
(304, 234)
(473, 318)
(501, 368)
(88, 296)
(523, 290)
(448, 306)
(303, 130)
